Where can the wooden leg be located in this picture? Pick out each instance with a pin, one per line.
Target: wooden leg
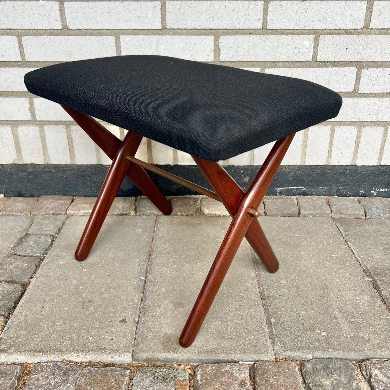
(236, 232)
(107, 194)
(231, 195)
(110, 144)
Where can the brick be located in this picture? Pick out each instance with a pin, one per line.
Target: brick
(53, 375)
(213, 207)
(47, 110)
(113, 15)
(83, 146)
(57, 144)
(330, 374)
(346, 208)
(52, 205)
(317, 145)
(19, 206)
(161, 154)
(18, 269)
(337, 79)
(81, 206)
(9, 49)
(185, 205)
(116, 131)
(294, 152)
(354, 48)
(28, 15)
(266, 47)
(12, 109)
(280, 207)
(156, 378)
(316, 14)
(313, 206)
(375, 80)
(31, 145)
(184, 158)
(222, 376)
(214, 14)
(122, 206)
(240, 159)
(369, 146)
(364, 109)
(377, 374)
(33, 245)
(260, 154)
(386, 151)
(197, 48)
(7, 145)
(343, 145)
(9, 376)
(376, 208)
(84, 206)
(67, 48)
(12, 79)
(277, 375)
(380, 15)
(144, 206)
(103, 379)
(142, 152)
(10, 294)
(47, 224)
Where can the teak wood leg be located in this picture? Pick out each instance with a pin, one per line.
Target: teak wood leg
(240, 224)
(107, 194)
(110, 144)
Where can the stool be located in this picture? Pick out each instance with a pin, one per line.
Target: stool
(210, 111)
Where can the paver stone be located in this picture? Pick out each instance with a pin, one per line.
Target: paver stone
(161, 378)
(9, 376)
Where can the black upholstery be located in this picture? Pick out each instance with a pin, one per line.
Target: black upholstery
(210, 111)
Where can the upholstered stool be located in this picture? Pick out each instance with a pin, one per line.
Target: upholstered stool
(211, 112)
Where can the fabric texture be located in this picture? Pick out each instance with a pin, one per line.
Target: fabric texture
(210, 111)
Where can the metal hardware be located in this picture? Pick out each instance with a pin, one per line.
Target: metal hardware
(254, 213)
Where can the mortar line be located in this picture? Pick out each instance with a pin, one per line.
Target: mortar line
(70, 144)
(149, 150)
(316, 44)
(163, 14)
(265, 14)
(357, 144)
(382, 149)
(118, 48)
(46, 158)
(175, 157)
(18, 148)
(357, 80)
(31, 107)
(304, 146)
(61, 5)
(329, 158)
(217, 50)
(144, 287)
(367, 275)
(367, 18)
(21, 48)
(264, 304)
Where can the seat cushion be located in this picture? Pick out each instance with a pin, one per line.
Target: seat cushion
(210, 111)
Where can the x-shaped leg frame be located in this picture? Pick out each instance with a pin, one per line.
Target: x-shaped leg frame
(241, 206)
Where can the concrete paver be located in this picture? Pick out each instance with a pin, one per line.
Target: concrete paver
(83, 311)
(33, 245)
(331, 374)
(9, 376)
(18, 269)
(213, 207)
(185, 205)
(319, 303)
(370, 241)
(10, 294)
(144, 206)
(11, 228)
(19, 206)
(161, 378)
(235, 329)
(313, 206)
(346, 208)
(103, 378)
(281, 207)
(120, 206)
(377, 374)
(3, 201)
(52, 205)
(47, 224)
(222, 377)
(277, 375)
(3, 323)
(376, 207)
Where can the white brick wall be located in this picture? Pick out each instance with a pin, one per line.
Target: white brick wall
(340, 44)
(316, 14)
(354, 48)
(338, 79)
(30, 15)
(196, 48)
(67, 48)
(375, 80)
(214, 14)
(266, 47)
(380, 15)
(113, 15)
(7, 145)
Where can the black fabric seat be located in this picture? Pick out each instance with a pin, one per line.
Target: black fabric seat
(209, 111)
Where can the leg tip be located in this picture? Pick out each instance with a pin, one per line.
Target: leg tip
(80, 257)
(185, 343)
